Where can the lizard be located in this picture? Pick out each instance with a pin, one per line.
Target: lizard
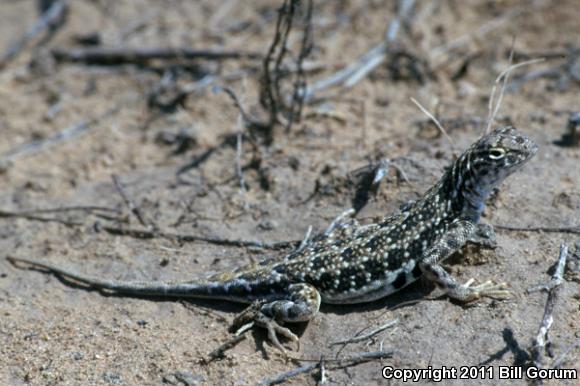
(352, 263)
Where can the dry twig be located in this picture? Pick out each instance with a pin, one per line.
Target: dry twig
(358, 70)
(220, 351)
(486, 28)
(572, 137)
(239, 169)
(558, 361)
(227, 345)
(562, 73)
(248, 122)
(539, 343)
(62, 136)
(36, 214)
(135, 209)
(272, 97)
(557, 279)
(329, 364)
(360, 338)
(368, 178)
(146, 234)
(281, 107)
(51, 19)
(322, 367)
(294, 111)
(239, 335)
(305, 240)
(571, 229)
(289, 374)
(122, 55)
(33, 217)
(83, 208)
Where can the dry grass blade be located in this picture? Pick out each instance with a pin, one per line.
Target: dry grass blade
(432, 117)
(494, 107)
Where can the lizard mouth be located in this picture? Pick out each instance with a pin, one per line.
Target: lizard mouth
(528, 150)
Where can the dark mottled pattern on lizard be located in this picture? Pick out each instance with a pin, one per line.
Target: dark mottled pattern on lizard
(351, 263)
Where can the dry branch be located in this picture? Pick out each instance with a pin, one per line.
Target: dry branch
(539, 343)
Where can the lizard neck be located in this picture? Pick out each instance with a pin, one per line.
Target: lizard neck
(468, 191)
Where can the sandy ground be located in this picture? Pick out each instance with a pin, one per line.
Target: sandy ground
(55, 332)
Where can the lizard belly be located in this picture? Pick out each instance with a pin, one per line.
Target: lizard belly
(376, 289)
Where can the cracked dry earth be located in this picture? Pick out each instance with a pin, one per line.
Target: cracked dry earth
(55, 332)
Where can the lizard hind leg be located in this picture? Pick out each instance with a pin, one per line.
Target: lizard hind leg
(300, 305)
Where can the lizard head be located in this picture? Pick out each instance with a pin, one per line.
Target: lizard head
(498, 154)
(487, 163)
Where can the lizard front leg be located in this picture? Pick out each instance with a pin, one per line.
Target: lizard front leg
(453, 240)
(301, 305)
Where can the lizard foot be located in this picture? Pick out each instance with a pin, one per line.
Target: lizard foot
(253, 316)
(300, 303)
(274, 329)
(488, 289)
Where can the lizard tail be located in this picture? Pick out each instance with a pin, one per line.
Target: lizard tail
(150, 288)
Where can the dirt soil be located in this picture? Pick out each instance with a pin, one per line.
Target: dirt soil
(178, 166)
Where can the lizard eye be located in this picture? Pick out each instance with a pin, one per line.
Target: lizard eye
(496, 153)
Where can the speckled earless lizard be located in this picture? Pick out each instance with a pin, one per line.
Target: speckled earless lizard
(350, 263)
